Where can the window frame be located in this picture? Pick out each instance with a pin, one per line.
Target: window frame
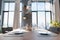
(43, 11)
(6, 11)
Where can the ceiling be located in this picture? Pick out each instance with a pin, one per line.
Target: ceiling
(27, 0)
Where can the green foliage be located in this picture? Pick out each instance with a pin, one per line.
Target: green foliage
(55, 24)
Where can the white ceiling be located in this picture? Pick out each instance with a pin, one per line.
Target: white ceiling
(32, 0)
(40, 0)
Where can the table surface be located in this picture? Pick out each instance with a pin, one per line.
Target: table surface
(32, 35)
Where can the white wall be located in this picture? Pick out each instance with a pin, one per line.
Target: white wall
(32, 0)
(57, 13)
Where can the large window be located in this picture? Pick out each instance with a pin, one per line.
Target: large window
(8, 12)
(41, 14)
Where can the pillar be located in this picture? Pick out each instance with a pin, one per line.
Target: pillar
(57, 10)
(16, 14)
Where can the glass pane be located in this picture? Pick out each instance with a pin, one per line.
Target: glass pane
(41, 20)
(11, 17)
(47, 6)
(53, 16)
(41, 6)
(5, 6)
(34, 6)
(47, 19)
(20, 18)
(34, 19)
(20, 6)
(11, 6)
(5, 22)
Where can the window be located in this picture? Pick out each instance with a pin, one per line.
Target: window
(41, 14)
(47, 6)
(41, 5)
(11, 6)
(20, 6)
(34, 19)
(41, 19)
(20, 14)
(11, 17)
(48, 18)
(20, 19)
(5, 19)
(5, 6)
(34, 6)
(8, 12)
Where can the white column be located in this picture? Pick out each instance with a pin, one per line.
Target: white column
(16, 14)
(57, 10)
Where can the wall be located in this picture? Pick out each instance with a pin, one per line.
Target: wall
(0, 13)
(57, 10)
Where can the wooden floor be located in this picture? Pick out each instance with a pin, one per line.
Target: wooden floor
(32, 35)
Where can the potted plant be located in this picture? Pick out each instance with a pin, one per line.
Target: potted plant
(55, 26)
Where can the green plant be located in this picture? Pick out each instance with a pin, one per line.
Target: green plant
(55, 24)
